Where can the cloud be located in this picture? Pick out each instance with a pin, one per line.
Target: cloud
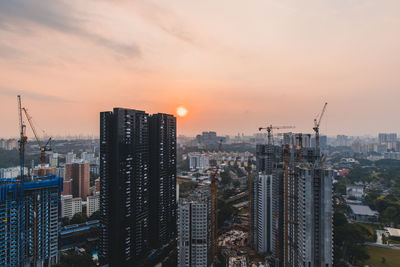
(165, 19)
(32, 95)
(58, 16)
(7, 51)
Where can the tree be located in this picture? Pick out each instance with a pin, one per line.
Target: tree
(349, 240)
(78, 218)
(390, 214)
(236, 183)
(339, 188)
(64, 221)
(225, 211)
(186, 187)
(225, 178)
(73, 259)
(228, 193)
(95, 216)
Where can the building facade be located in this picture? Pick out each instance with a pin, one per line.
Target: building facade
(262, 210)
(79, 175)
(194, 231)
(137, 184)
(163, 206)
(70, 206)
(198, 161)
(124, 192)
(29, 228)
(92, 204)
(292, 204)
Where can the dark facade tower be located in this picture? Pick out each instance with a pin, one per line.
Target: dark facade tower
(124, 192)
(162, 128)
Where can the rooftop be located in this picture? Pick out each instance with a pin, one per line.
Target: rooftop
(393, 231)
(363, 210)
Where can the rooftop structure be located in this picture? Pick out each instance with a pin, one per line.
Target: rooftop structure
(393, 232)
(363, 213)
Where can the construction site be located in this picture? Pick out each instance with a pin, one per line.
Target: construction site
(285, 211)
(29, 227)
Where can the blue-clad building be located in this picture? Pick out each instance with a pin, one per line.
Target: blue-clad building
(29, 227)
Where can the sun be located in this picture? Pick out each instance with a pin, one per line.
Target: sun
(181, 111)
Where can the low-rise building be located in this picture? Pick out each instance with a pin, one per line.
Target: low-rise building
(393, 232)
(363, 213)
(356, 191)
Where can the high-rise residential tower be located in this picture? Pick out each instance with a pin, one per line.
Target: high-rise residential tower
(292, 203)
(124, 192)
(194, 230)
(162, 129)
(137, 184)
(78, 173)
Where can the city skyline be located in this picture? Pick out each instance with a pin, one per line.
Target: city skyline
(248, 65)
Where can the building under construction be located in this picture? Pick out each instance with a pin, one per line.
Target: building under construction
(292, 210)
(29, 226)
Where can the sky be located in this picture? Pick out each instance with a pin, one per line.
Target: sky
(235, 65)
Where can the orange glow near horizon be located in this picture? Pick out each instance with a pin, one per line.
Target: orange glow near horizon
(271, 62)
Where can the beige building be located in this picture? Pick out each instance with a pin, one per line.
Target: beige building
(70, 206)
(92, 204)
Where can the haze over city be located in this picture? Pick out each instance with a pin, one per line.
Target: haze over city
(229, 63)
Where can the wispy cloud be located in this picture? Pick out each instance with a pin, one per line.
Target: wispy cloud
(33, 95)
(166, 20)
(7, 51)
(58, 16)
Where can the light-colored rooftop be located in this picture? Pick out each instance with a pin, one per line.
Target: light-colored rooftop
(393, 231)
(363, 210)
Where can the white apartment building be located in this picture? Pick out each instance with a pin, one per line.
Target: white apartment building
(13, 172)
(263, 212)
(198, 161)
(70, 206)
(194, 232)
(93, 204)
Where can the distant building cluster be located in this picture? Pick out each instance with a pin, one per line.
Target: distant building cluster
(209, 139)
(203, 161)
(12, 172)
(9, 144)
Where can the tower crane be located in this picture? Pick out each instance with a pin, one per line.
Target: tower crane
(214, 210)
(270, 128)
(22, 140)
(43, 148)
(317, 122)
(250, 198)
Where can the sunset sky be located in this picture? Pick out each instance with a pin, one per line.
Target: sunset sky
(234, 65)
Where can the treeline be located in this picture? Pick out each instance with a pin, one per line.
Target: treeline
(385, 172)
(349, 241)
(387, 205)
(10, 158)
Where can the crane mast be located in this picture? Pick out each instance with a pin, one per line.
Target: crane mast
(214, 211)
(250, 196)
(317, 122)
(22, 140)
